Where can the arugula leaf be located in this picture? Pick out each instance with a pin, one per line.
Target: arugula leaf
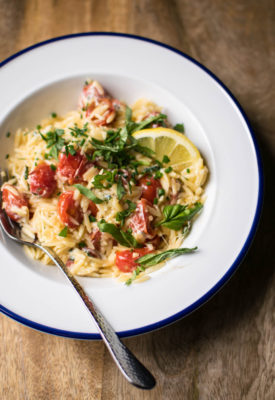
(175, 216)
(122, 215)
(88, 193)
(152, 259)
(120, 189)
(179, 128)
(64, 232)
(124, 238)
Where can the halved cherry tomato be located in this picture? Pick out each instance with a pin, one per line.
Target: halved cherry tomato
(149, 187)
(69, 211)
(12, 197)
(42, 180)
(139, 222)
(72, 167)
(95, 237)
(125, 259)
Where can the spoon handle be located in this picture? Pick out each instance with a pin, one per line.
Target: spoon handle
(128, 364)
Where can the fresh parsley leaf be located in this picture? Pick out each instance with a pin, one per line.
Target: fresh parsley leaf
(124, 238)
(175, 216)
(53, 167)
(165, 159)
(152, 259)
(179, 128)
(76, 131)
(8, 134)
(55, 142)
(88, 193)
(64, 232)
(53, 115)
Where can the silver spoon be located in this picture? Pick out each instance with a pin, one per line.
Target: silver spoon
(131, 368)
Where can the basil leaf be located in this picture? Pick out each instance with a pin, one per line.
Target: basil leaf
(120, 189)
(88, 193)
(177, 215)
(124, 238)
(152, 259)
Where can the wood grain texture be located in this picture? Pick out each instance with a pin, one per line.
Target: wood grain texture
(225, 350)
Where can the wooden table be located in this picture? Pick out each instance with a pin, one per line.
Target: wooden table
(225, 350)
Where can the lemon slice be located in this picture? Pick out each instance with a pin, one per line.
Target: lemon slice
(163, 141)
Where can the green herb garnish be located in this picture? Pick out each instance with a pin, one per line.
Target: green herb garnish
(122, 215)
(53, 167)
(88, 193)
(175, 216)
(165, 159)
(53, 115)
(120, 189)
(26, 173)
(55, 142)
(8, 134)
(152, 259)
(179, 128)
(135, 273)
(64, 232)
(124, 238)
(167, 170)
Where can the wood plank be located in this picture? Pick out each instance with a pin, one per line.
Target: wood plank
(225, 350)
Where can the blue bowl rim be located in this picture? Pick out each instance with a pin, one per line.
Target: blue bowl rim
(239, 258)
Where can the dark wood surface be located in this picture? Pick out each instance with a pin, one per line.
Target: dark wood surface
(224, 350)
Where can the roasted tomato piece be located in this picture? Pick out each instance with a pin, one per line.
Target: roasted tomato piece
(139, 222)
(42, 180)
(91, 93)
(95, 237)
(93, 208)
(13, 198)
(72, 167)
(125, 259)
(68, 210)
(149, 187)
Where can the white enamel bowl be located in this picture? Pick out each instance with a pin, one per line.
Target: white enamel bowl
(48, 77)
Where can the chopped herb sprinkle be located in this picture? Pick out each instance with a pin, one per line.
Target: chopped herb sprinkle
(8, 134)
(169, 169)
